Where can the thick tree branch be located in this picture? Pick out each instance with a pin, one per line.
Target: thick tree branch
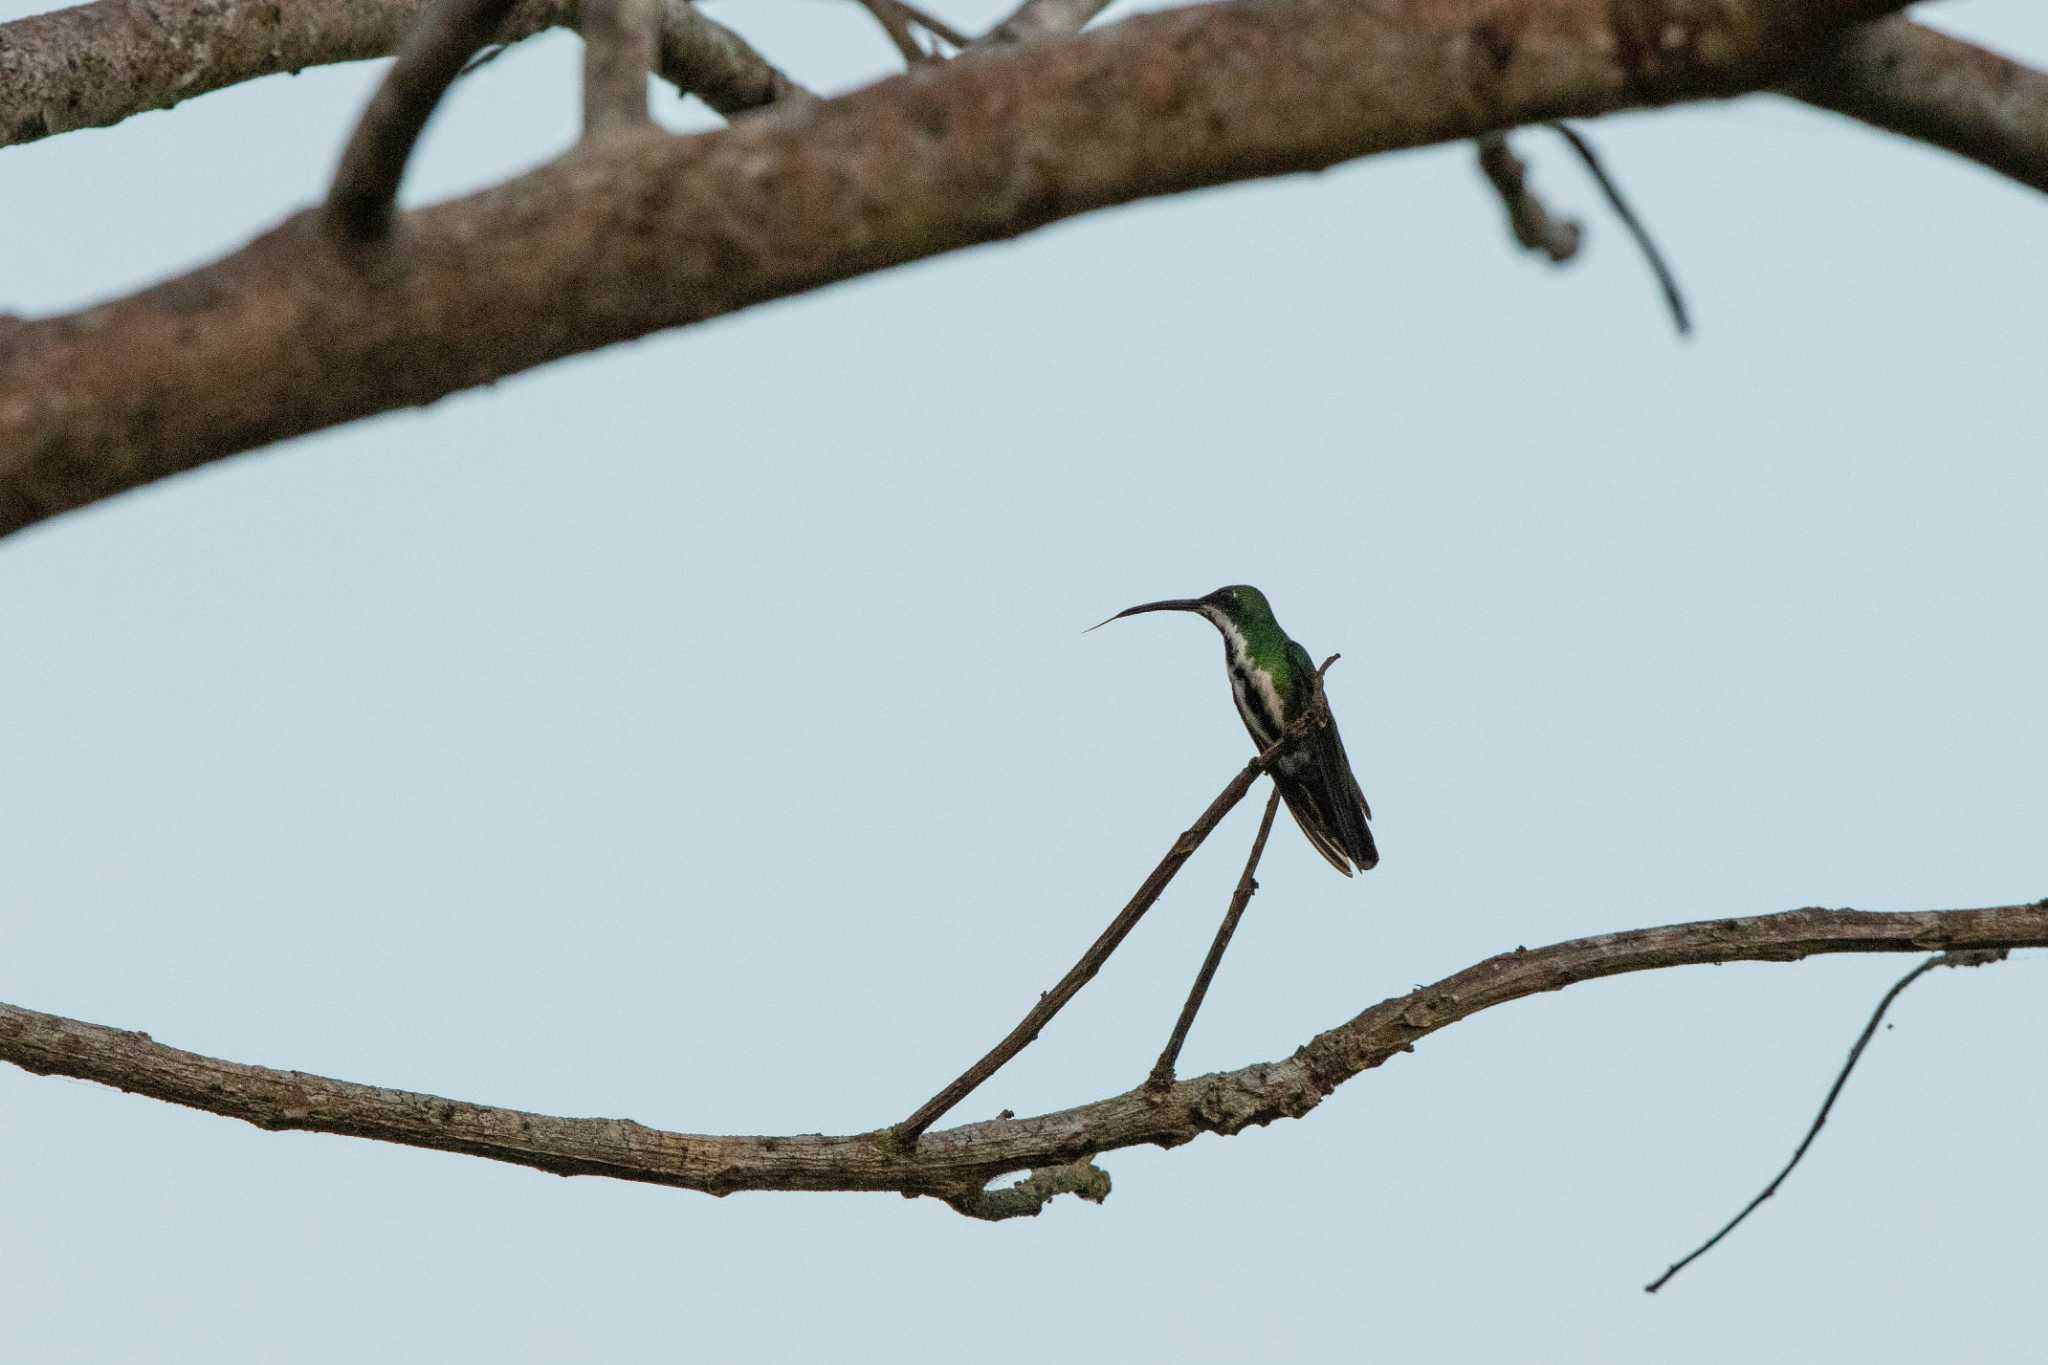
(648, 231)
(1907, 79)
(955, 1164)
(97, 64)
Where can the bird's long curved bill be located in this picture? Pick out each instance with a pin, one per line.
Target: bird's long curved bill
(1171, 604)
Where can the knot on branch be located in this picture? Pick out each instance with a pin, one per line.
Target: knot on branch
(1027, 1197)
(1234, 1101)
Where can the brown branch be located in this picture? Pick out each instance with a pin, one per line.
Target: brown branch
(1962, 958)
(362, 201)
(1906, 79)
(291, 335)
(1534, 226)
(1247, 883)
(618, 56)
(702, 57)
(94, 65)
(955, 1164)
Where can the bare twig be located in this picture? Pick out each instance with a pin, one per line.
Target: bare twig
(898, 19)
(1666, 281)
(1534, 226)
(1081, 973)
(1247, 883)
(1967, 958)
(896, 25)
(1036, 20)
(618, 56)
(702, 57)
(956, 1163)
(96, 64)
(448, 34)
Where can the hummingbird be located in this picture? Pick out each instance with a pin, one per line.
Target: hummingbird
(1273, 681)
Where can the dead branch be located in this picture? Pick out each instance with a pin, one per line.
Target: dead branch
(957, 1163)
(96, 64)
(292, 334)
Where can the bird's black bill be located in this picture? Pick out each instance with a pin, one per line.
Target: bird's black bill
(1171, 604)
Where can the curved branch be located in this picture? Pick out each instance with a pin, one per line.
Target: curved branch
(97, 64)
(1914, 81)
(363, 200)
(956, 1163)
(293, 334)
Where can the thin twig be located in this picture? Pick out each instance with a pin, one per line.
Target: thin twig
(1966, 958)
(694, 53)
(896, 18)
(1081, 973)
(897, 27)
(439, 45)
(702, 57)
(618, 55)
(1247, 883)
(1534, 226)
(1035, 20)
(1666, 281)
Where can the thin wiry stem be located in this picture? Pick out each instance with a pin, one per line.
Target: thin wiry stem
(1666, 281)
(1952, 959)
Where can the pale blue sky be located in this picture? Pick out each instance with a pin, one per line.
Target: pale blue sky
(702, 732)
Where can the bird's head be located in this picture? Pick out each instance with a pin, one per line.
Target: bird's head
(1238, 605)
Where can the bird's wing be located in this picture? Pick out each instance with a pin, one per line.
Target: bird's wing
(1321, 790)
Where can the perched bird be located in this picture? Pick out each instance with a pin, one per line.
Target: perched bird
(1273, 681)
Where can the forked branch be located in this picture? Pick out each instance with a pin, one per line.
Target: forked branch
(1082, 972)
(957, 1164)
